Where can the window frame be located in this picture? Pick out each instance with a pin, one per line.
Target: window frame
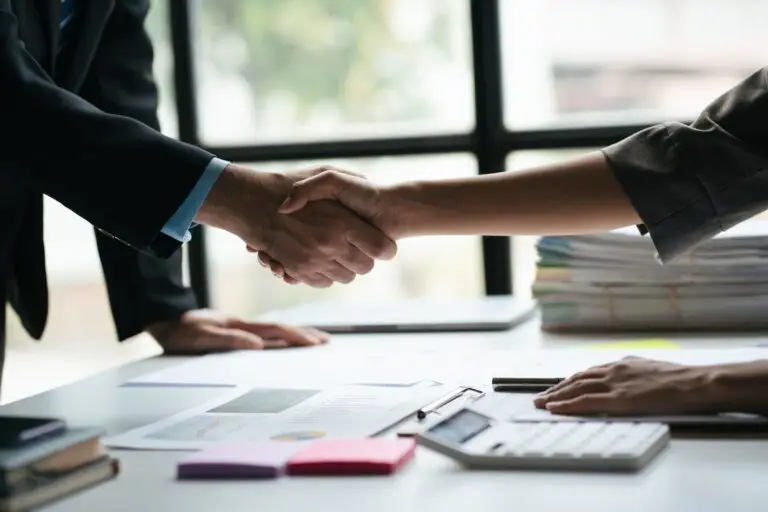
(490, 141)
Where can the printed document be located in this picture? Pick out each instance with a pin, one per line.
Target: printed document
(286, 413)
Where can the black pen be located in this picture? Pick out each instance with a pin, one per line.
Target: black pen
(523, 385)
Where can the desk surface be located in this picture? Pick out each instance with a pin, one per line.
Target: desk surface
(691, 475)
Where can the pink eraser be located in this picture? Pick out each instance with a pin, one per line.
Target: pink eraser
(258, 459)
(369, 456)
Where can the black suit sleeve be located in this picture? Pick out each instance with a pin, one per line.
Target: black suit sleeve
(116, 172)
(142, 289)
(689, 183)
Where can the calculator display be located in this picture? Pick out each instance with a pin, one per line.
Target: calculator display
(461, 427)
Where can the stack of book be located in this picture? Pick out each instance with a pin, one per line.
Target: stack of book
(613, 281)
(42, 471)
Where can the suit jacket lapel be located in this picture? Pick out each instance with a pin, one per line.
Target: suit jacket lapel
(93, 15)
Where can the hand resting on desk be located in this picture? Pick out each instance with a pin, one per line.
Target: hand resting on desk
(641, 386)
(204, 331)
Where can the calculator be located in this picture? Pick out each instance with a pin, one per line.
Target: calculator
(478, 441)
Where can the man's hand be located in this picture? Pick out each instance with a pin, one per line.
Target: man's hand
(202, 331)
(319, 245)
(369, 201)
(633, 386)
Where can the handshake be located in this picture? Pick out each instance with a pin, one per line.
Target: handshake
(317, 227)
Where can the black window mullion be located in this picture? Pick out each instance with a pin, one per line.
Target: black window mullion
(505, 142)
(356, 148)
(565, 138)
(488, 136)
(180, 19)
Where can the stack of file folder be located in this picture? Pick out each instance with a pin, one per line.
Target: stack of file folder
(613, 281)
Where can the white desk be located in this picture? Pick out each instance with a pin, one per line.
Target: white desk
(699, 476)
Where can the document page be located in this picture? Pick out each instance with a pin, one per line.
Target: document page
(324, 365)
(285, 413)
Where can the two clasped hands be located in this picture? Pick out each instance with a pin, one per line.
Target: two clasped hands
(316, 244)
(326, 225)
(359, 243)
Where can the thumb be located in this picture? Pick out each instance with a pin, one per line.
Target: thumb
(323, 186)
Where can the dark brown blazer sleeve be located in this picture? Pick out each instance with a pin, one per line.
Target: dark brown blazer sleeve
(690, 182)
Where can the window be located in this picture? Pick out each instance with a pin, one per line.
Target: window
(602, 62)
(327, 69)
(158, 29)
(433, 266)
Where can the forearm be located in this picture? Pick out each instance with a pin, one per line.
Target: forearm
(739, 387)
(577, 196)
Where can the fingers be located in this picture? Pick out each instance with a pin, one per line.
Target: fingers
(325, 168)
(316, 280)
(276, 268)
(298, 336)
(337, 274)
(265, 260)
(219, 339)
(323, 336)
(340, 274)
(325, 185)
(597, 403)
(344, 271)
(357, 261)
(273, 335)
(372, 242)
(275, 344)
(573, 390)
(590, 373)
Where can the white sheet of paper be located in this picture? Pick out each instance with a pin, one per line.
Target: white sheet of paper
(324, 366)
(289, 413)
(331, 367)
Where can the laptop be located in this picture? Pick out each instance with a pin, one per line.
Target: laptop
(495, 313)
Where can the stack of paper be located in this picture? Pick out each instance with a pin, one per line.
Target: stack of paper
(614, 281)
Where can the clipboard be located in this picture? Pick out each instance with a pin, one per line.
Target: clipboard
(410, 427)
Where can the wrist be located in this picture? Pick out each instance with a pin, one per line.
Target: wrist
(218, 209)
(737, 387)
(161, 330)
(712, 393)
(242, 202)
(403, 213)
